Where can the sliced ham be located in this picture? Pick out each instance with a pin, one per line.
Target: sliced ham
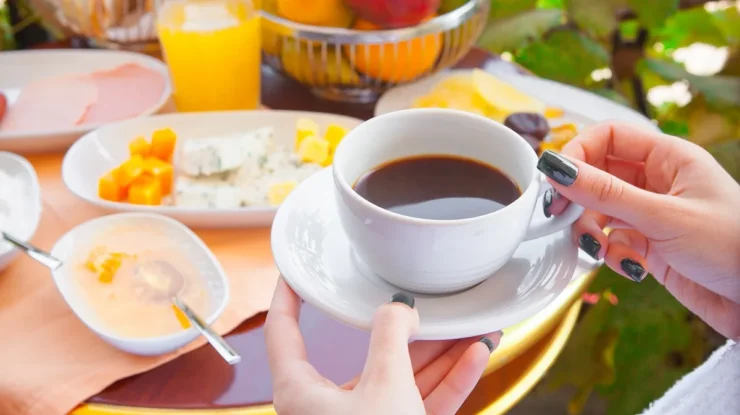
(126, 91)
(52, 103)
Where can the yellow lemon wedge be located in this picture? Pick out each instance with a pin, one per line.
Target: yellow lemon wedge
(504, 96)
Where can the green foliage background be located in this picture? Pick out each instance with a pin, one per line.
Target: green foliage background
(629, 354)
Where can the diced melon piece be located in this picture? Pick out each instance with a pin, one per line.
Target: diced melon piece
(313, 149)
(334, 134)
(129, 170)
(162, 171)
(553, 112)
(109, 268)
(329, 160)
(145, 190)
(305, 127)
(564, 132)
(163, 144)
(279, 191)
(140, 146)
(181, 317)
(109, 188)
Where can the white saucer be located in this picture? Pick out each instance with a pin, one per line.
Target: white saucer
(314, 256)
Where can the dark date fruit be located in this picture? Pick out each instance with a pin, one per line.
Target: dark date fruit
(528, 123)
(535, 143)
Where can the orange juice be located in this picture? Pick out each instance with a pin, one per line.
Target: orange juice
(212, 48)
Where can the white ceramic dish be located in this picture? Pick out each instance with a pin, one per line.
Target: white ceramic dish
(18, 166)
(83, 237)
(314, 256)
(581, 107)
(101, 150)
(18, 68)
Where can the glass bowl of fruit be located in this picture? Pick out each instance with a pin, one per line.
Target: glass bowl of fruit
(354, 50)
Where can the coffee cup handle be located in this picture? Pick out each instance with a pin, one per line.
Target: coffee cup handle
(542, 226)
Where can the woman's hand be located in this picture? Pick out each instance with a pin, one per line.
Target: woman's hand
(673, 209)
(433, 377)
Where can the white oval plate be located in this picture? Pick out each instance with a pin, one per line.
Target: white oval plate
(315, 258)
(18, 166)
(84, 237)
(581, 107)
(98, 152)
(18, 68)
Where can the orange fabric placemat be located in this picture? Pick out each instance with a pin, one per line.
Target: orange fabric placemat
(49, 360)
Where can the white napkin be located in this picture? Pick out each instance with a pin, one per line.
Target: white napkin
(711, 389)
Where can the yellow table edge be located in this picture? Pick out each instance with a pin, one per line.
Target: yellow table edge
(524, 336)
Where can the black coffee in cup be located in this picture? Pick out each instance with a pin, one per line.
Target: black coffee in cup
(438, 187)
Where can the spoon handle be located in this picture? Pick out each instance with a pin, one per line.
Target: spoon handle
(229, 354)
(40, 256)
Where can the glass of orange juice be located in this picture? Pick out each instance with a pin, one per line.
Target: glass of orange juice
(212, 48)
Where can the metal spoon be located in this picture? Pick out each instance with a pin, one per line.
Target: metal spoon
(42, 257)
(162, 282)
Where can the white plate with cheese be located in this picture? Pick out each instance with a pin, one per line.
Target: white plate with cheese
(231, 169)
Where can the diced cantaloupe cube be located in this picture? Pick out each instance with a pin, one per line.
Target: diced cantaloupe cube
(140, 146)
(129, 170)
(313, 149)
(163, 144)
(109, 188)
(145, 190)
(553, 112)
(162, 171)
(305, 127)
(329, 160)
(181, 317)
(279, 191)
(334, 134)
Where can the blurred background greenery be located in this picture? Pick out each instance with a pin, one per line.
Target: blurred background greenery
(676, 61)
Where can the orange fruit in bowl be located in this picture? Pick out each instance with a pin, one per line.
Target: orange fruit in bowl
(395, 62)
(330, 13)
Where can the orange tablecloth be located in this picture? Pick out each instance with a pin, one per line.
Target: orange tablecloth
(52, 362)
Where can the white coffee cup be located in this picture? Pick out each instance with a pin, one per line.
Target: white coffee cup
(439, 256)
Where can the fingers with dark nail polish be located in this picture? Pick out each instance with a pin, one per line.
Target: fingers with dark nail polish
(633, 269)
(589, 245)
(489, 343)
(547, 201)
(404, 299)
(558, 168)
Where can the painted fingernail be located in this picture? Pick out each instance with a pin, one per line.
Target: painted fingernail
(633, 269)
(489, 343)
(589, 245)
(403, 298)
(550, 196)
(557, 167)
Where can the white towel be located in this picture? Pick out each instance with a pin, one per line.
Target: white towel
(711, 389)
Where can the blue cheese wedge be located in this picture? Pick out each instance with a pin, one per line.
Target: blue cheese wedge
(214, 155)
(207, 193)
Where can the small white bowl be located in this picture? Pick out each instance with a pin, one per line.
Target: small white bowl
(18, 166)
(83, 237)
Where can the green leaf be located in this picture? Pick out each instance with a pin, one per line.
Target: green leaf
(501, 9)
(658, 342)
(598, 18)
(720, 92)
(564, 55)
(728, 22)
(728, 155)
(653, 13)
(690, 26)
(706, 126)
(550, 4)
(518, 31)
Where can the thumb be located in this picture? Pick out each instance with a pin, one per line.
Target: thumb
(388, 359)
(598, 190)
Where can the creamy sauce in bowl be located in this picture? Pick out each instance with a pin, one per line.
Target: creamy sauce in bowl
(104, 274)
